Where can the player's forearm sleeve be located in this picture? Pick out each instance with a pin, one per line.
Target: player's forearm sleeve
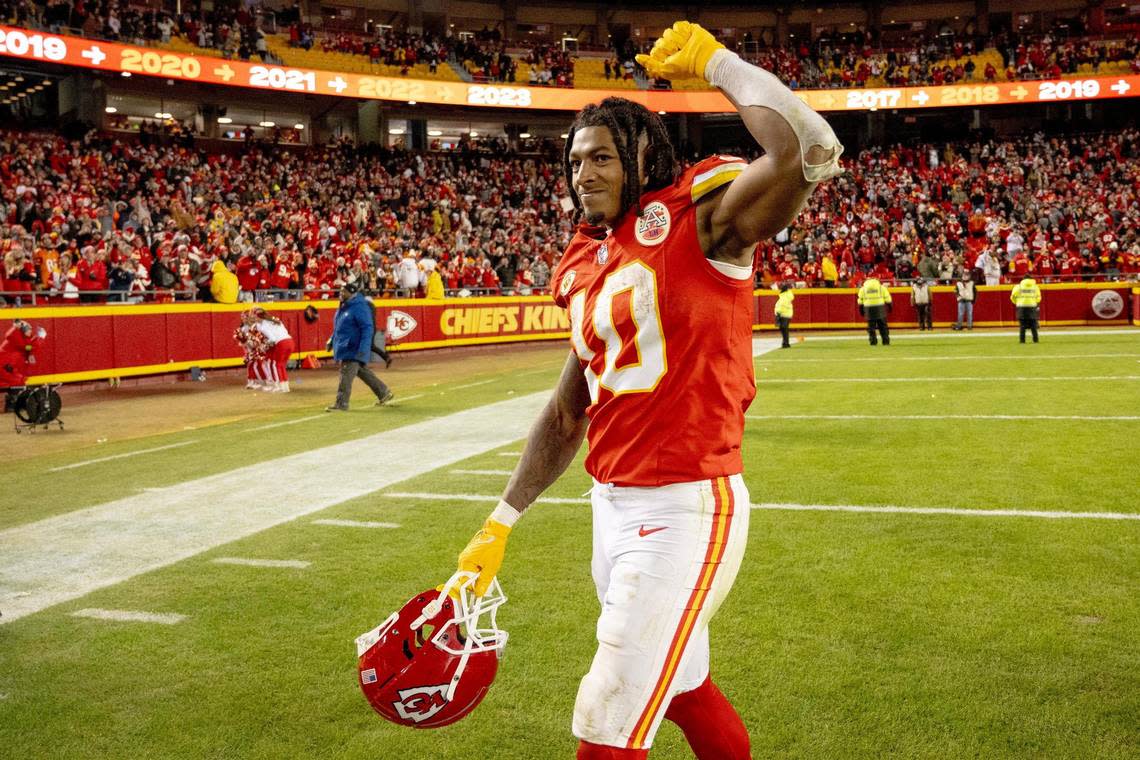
(750, 85)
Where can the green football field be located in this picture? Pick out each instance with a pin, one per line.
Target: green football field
(943, 562)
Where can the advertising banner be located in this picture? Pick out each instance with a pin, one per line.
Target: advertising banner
(134, 60)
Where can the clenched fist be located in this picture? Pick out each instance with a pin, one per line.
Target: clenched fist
(682, 52)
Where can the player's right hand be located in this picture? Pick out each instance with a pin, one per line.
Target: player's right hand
(681, 52)
(484, 554)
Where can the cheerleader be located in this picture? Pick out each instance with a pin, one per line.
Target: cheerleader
(253, 343)
(279, 349)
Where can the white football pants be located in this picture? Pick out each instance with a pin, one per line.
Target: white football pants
(664, 560)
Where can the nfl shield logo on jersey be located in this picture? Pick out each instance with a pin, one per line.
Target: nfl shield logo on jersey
(653, 224)
(603, 254)
(567, 283)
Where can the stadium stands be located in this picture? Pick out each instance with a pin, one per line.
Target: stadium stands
(303, 222)
(1070, 203)
(313, 221)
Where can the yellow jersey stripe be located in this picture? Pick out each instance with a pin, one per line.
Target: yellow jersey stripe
(705, 182)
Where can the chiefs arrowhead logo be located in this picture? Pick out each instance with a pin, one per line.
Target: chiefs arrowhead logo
(420, 703)
(1107, 304)
(567, 283)
(653, 224)
(400, 325)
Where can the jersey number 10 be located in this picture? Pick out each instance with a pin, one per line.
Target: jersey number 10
(642, 375)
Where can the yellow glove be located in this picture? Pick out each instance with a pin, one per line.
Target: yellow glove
(484, 554)
(681, 52)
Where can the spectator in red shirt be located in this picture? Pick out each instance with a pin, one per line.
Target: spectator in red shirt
(488, 280)
(284, 274)
(471, 275)
(811, 271)
(249, 276)
(1021, 266)
(92, 275)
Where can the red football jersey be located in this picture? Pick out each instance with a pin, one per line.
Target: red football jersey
(664, 339)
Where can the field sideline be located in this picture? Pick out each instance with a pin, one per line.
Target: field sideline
(943, 559)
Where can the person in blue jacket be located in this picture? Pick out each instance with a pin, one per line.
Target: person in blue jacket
(351, 344)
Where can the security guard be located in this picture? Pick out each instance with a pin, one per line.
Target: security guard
(784, 311)
(1026, 296)
(874, 304)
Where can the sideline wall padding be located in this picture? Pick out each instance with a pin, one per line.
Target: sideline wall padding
(105, 341)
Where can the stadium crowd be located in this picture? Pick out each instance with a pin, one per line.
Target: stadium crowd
(1061, 207)
(101, 213)
(942, 59)
(383, 46)
(233, 29)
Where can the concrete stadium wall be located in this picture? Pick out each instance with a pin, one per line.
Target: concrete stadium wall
(108, 341)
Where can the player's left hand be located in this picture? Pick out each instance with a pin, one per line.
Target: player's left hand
(681, 52)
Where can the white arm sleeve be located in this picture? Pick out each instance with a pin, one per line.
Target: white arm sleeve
(750, 85)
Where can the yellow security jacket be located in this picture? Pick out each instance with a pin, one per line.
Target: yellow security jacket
(872, 293)
(1026, 294)
(784, 304)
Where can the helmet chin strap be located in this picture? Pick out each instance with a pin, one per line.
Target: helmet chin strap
(456, 584)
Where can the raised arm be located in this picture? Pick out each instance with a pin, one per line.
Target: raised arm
(800, 148)
(553, 441)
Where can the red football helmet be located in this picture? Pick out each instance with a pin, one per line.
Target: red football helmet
(430, 664)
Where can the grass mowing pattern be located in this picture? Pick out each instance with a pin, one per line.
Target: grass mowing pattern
(847, 635)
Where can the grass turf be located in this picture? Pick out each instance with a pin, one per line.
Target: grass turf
(846, 635)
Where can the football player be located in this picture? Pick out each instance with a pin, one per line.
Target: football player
(658, 284)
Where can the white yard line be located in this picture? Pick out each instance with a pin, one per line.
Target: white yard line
(884, 417)
(515, 454)
(121, 456)
(356, 524)
(762, 346)
(401, 399)
(490, 499)
(70, 555)
(893, 359)
(298, 564)
(472, 385)
(480, 472)
(988, 379)
(131, 616)
(289, 422)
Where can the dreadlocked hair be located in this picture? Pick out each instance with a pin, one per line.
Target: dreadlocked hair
(627, 122)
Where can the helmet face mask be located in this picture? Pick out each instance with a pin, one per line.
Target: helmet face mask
(432, 662)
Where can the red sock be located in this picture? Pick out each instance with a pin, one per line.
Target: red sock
(588, 751)
(710, 724)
